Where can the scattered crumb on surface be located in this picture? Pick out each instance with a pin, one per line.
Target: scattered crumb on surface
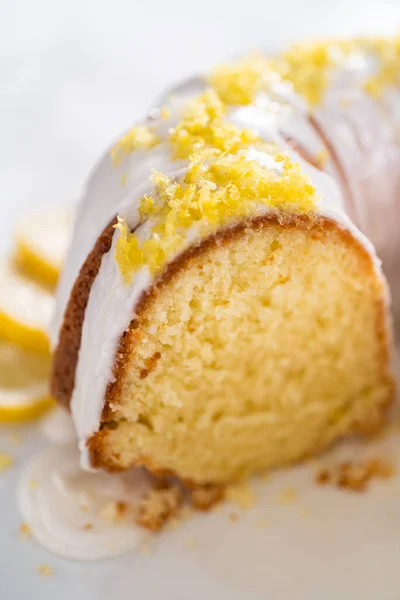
(355, 476)
(206, 496)
(158, 506)
(15, 438)
(288, 496)
(33, 484)
(45, 570)
(186, 512)
(84, 507)
(25, 531)
(304, 512)
(113, 511)
(241, 494)
(189, 542)
(6, 461)
(144, 549)
(233, 517)
(174, 523)
(323, 476)
(88, 526)
(261, 523)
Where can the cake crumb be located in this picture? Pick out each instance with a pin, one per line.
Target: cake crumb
(323, 476)
(158, 506)
(174, 523)
(25, 531)
(241, 494)
(113, 511)
(206, 496)
(6, 461)
(233, 517)
(88, 527)
(189, 543)
(144, 549)
(355, 476)
(45, 570)
(304, 512)
(261, 523)
(288, 496)
(84, 507)
(186, 512)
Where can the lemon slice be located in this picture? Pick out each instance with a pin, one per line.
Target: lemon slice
(25, 310)
(23, 384)
(42, 238)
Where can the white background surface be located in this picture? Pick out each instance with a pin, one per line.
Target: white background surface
(73, 74)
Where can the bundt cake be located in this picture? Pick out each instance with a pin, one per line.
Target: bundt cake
(221, 311)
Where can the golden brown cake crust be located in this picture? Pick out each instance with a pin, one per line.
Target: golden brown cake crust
(318, 226)
(65, 357)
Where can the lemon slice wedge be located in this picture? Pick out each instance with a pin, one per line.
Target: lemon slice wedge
(42, 237)
(23, 384)
(25, 310)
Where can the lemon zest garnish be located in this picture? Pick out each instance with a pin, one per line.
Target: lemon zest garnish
(138, 137)
(308, 67)
(165, 113)
(127, 251)
(205, 131)
(238, 83)
(25, 531)
(210, 195)
(389, 72)
(45, 570)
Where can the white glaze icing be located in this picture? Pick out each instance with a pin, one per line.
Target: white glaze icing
(274, 116)
(66, 507)
(99, 205)
(57, 426)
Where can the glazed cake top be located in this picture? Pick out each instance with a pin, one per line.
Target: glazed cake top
(232, 168)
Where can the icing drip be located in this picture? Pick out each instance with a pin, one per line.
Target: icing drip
(57, 427)
(76, 514)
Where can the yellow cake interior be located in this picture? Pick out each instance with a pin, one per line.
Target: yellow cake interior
(257, 352)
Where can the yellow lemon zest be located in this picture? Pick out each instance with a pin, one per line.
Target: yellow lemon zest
(205, 130)
(308, 66)
(237, 83)
(137, 138)
(208, 196)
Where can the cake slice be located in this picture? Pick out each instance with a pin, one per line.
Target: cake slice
(254, 349)
(219, 313)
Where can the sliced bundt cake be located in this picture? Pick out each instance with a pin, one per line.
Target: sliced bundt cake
(219, 313)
